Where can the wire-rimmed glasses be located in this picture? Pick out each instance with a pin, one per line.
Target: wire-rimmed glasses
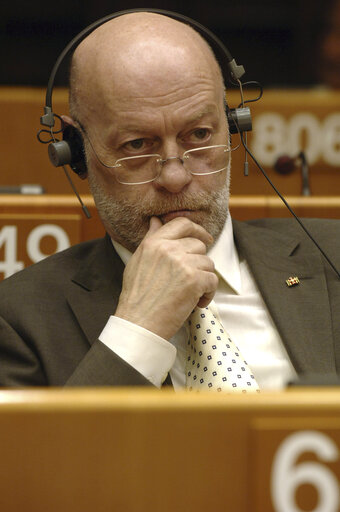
(141, 169)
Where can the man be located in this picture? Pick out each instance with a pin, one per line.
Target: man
(79, 318)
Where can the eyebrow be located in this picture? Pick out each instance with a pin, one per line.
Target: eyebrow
(209, 109)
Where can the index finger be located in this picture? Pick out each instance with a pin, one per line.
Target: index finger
(182, 227)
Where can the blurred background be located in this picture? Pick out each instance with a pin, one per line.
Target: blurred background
(279, 42)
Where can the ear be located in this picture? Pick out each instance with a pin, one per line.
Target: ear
(68, 121)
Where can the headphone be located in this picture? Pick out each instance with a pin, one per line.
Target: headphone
(70, 150)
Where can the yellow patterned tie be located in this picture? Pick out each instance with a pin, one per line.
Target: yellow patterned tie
(213, 360)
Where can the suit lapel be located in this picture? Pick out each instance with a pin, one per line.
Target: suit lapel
(94, 290)
(301, 313)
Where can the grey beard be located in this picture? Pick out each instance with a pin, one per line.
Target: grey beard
(128, 223)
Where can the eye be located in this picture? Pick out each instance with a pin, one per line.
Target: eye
(201, 133)
(136, 144)
(198, 136)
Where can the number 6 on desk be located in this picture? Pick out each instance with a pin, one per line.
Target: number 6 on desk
(287, 477)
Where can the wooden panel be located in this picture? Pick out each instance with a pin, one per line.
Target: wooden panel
(295, 462)
(285, 121)
(140, 450)
(25, 160)
(288, 121)
(55, 204)
(242, 207)
(255, 207)
(27, 238)
(33, 227)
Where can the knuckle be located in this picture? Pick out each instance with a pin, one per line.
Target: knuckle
(169, 248)
(214, 280)
(189, 273)
(211, 266)
(201, 247)
(147, 246)
(185, 224)
(184, 221)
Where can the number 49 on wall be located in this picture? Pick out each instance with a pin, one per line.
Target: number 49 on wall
(29, 248)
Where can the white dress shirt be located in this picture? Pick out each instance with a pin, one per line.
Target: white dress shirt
(242, 312)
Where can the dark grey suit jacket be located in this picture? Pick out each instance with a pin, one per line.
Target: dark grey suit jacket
(52, 313)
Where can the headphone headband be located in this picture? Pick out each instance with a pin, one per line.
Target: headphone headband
(235, 71)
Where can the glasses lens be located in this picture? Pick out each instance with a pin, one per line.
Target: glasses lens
(206, 160)
(135, 170)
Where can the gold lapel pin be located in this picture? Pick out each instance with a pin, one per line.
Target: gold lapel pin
(292, 281)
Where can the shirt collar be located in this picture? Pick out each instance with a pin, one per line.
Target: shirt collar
(223, 253)
(122, 252)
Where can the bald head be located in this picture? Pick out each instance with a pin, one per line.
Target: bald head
(136, 55)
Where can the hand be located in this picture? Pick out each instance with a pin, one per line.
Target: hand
(168, 276)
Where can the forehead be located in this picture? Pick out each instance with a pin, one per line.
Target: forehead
(164, 90)
(133, 119)
(170, 112)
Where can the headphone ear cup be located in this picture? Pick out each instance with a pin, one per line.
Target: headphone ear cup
(239, 119)
(69, 151)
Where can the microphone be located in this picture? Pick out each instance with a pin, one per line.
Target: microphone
(285, 165)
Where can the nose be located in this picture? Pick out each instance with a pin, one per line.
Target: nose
(173, 177)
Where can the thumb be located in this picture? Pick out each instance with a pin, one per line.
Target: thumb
(155, 224)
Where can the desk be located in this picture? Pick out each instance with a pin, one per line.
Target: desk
(160, 451)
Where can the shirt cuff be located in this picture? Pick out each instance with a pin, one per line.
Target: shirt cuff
(149, 354)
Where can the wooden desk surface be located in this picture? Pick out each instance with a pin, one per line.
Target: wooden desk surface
(147, 450)
(242, 207)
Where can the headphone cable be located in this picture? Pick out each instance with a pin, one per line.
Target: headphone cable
(287, 205)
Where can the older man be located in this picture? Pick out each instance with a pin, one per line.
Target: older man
(147, 96)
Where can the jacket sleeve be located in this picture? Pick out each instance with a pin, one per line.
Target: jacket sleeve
(23, 363)
(19, 364)
(102, 367)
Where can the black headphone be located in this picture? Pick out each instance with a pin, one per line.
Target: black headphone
(70, 151)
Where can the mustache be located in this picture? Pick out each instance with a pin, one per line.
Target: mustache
(169, 203)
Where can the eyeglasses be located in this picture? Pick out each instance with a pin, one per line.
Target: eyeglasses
(141, 169)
